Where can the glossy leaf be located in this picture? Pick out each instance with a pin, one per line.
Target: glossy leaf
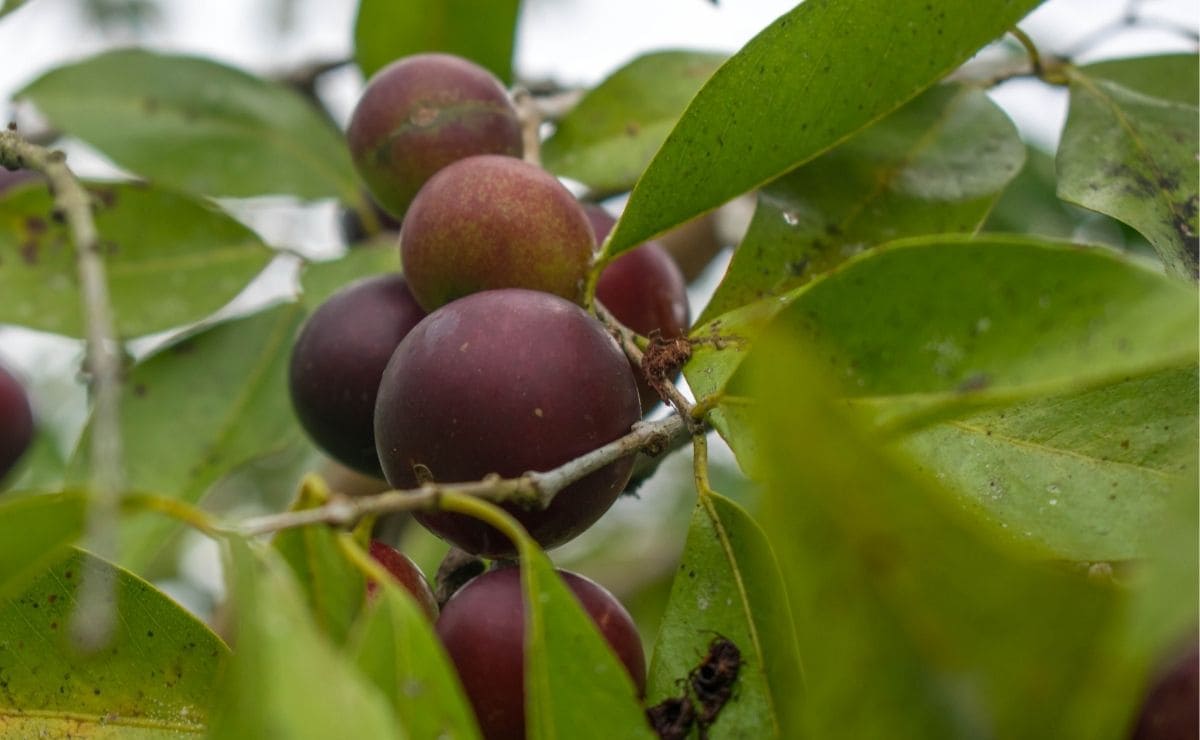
(196, 410)
(170, 259)
(332, 587)
(1132, 156)
(935, 166)
(729, 584)
(154, 681)
(607, 140)
(912, 620)
(574, 685)
(35, 531)
(396, 648)
(1085, 477)
(285, 679)
(482, 32)
(319, 280)
(198, 125)
(808, 81)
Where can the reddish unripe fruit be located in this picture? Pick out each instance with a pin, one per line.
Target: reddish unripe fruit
(1172, 708)
(644, 290)
(421, 113)
(505, 382)
(407, 573)
(483, 629)
(494, 222)
(16, 422)
(337, 362)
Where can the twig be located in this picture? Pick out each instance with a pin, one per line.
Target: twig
(531, 124)
(533, 489)
(95, 618)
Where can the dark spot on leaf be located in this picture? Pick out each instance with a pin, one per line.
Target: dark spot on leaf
(150, 104)
(139, 390)
(632, 128)
(1125, 444)
(29, 252)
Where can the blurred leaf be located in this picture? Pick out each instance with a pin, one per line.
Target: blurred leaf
(607, 140)
(35, 530)
(170, 259)
(931, 327)
(332, 587)
(729, 584)
(197, 409)
(937, 165)
(41, 468)
(320, 280)
(285, 679)
(1086, 476)
(1174, 77)
(198, 125)
(397, 650)
(154, 681)
(575, 687)
(482, 32)
(9, 6)
(813, 77)
(1132, 156)
(914, 622)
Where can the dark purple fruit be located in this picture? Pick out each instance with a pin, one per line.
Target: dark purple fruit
(404, 570)
(16, 422)
(13, 178)
(505, 382)
(494, 222)
(644, 290)
(419, 114)
(337, 362)
(1172, 708)
(483, 629)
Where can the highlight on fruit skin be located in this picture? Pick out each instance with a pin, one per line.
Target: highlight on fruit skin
(16, 422)
(338, 359)
(421, 113)
(483, 629)
(504, 382)
(491, 222)
(406, 572)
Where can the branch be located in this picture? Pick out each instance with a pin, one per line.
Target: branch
(535, 490)
(95, 618)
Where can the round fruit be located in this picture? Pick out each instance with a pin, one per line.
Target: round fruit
(483, 629)
(505, 382)
(16, 422)
(1171, 709)
(644, 290)
(407, 573)
(419, 114)
(337, 362)
(494, 222)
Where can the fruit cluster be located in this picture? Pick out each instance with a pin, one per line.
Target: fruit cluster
(480, 360)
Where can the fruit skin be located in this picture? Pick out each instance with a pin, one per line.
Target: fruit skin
(404, 570)
(13, 178)
(337, 361)
(1172, 709)
(16, 422)
(419, 114)
(492, 222)
(506, 381)
(483, 629)
(644, 290)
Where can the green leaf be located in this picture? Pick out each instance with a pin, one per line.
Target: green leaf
(484, 33)
(154, 681)
(320, 280)
(812, 78)
(912, 620)
(9, 6)
(196, 410)
(35, 530)
(607, 140)
(170, 259)
(575, 687)
(397, 650)
(198, 125)
(1087, 476)
(934, 326)
(1132, 156)
(285, 679)
(729, 584)
(937, 165)
(332, 587)
(1174, 77)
